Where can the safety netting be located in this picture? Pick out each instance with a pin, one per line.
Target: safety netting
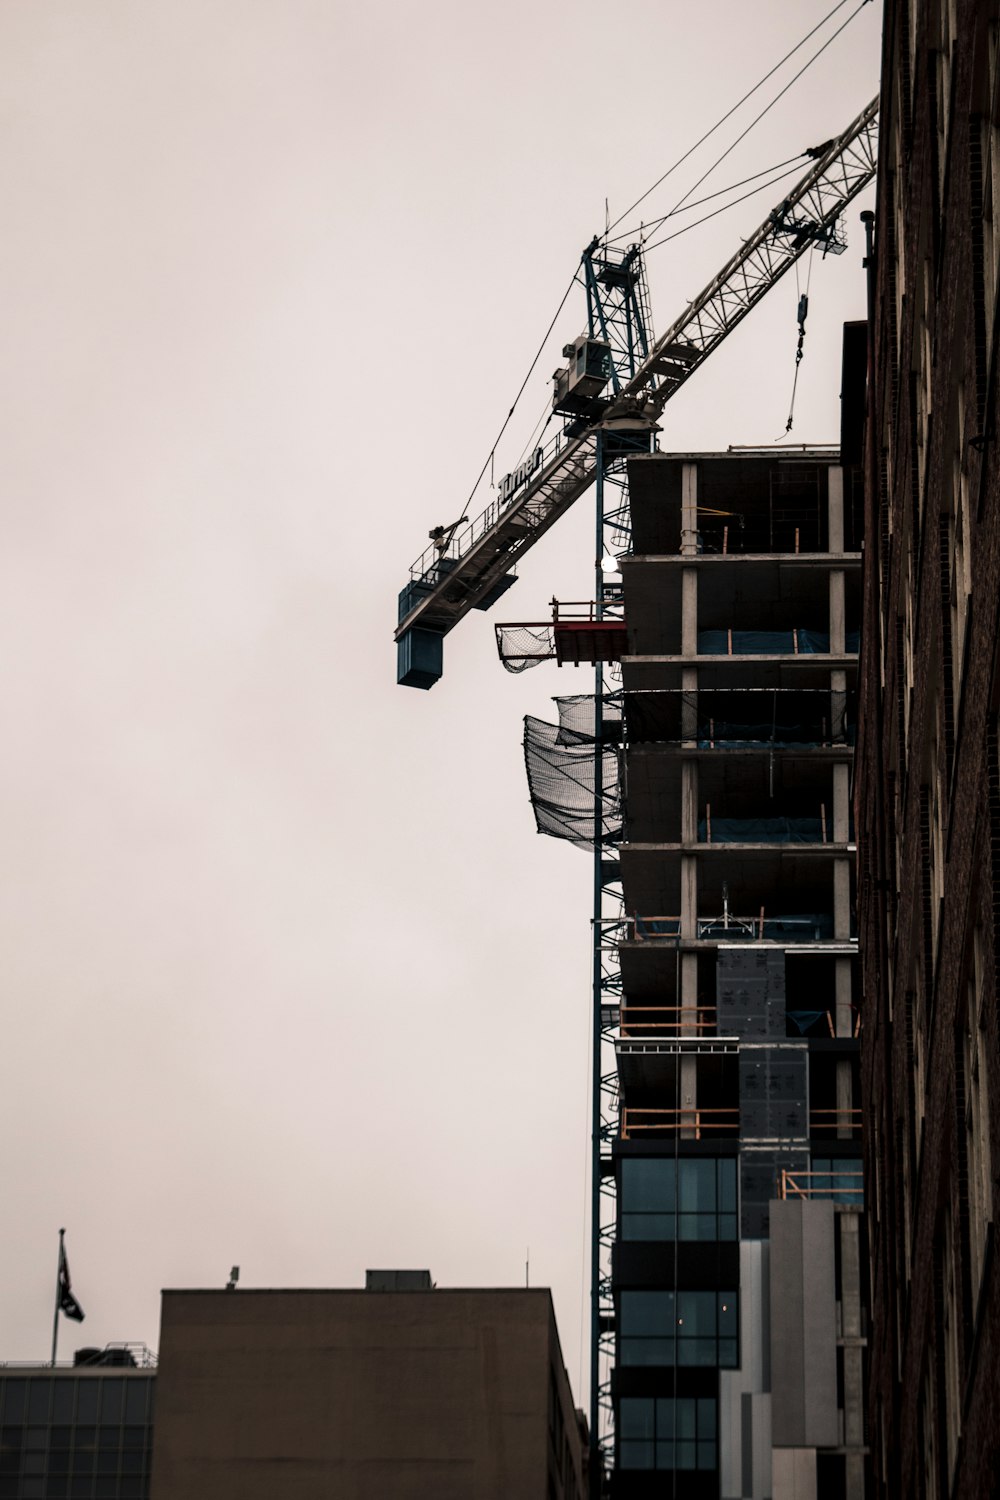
(731, 718)
(577, 720)
(524, 646)
(797, 642)
(563, 763)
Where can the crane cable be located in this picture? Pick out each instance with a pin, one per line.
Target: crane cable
(531, 370)
(729, 113)
(645, 228)
(801, 313)
(779, 95)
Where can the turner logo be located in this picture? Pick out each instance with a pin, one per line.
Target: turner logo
(513, 481)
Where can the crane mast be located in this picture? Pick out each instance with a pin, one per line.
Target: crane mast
(468, 565)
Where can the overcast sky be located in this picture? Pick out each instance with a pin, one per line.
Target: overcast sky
(289, 979)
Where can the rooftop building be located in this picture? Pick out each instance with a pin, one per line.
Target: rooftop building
(398, 1392)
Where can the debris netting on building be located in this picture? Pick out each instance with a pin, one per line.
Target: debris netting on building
(561, 781)
(576, 720)
(524, 646)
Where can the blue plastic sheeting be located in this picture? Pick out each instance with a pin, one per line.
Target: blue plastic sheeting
(804, 1020)
(762, 831)
(769, 642)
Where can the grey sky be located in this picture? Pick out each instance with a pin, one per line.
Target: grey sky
(290, 980)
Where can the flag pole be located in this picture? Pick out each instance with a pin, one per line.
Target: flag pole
(55, 1319)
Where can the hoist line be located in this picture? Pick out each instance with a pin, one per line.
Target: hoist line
(645, 229)
(720, 210)
(768, 107)
(729, 113)
(524, 382)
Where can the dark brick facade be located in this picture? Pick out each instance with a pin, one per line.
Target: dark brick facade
(928, 784)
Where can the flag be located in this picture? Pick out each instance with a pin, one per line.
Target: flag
(67, 1302)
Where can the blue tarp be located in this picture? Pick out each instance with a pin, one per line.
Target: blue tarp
(769, 642)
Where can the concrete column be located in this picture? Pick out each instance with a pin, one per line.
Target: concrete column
(835, 508)
(844, 1018)
(689, 510)
(689, 705)
(842, 898)
(689, 1094)
(689, 991)
(689, 611)
(845, 1098)
(838, 700)
(689, 801)
(689, 896)
(838, 622)
(841, 804)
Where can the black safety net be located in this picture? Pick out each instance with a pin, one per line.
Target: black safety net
(562, 766)
(524, 646)
(577, 721)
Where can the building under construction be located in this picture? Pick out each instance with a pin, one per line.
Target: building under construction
(709, 774)
(732, 1297)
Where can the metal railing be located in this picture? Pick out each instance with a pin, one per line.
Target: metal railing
(692, 1120)
(845, 1123)
(700, 1018)
(823, 1185)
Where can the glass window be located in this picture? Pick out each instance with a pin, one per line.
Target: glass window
(112, 1394)
(693, 1198)
(12, 1392)
(667, 1433)
(135, 1400)
(686, 1328)
(839, 1178)
(62, 1400)
(39, 1397)
(86, 1400)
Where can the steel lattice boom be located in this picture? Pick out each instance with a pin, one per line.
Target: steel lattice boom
(470, 567)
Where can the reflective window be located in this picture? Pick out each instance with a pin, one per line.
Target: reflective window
(690, 1198)
(667, 1433)
(839, 1178)
(686, 1328)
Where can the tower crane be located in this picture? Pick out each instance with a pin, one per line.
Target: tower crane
(468, 566)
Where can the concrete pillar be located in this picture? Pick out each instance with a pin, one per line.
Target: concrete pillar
(689, 991)
(689, 705)
(838, 701)
(689, 802)
(689, 896)
(689, 1094)
(689, 611)
(844, 1018)
(845, 1098)
(835, 508)
(838, 621)
(842, 899)
(689, 510)
(841, 804)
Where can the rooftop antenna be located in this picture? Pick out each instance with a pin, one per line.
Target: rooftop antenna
(234, 1277)
(527, 1264)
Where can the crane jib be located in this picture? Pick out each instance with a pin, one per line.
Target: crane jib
(514, 480)
(474, 570)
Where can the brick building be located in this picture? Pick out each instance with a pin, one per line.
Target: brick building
(928, 785)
